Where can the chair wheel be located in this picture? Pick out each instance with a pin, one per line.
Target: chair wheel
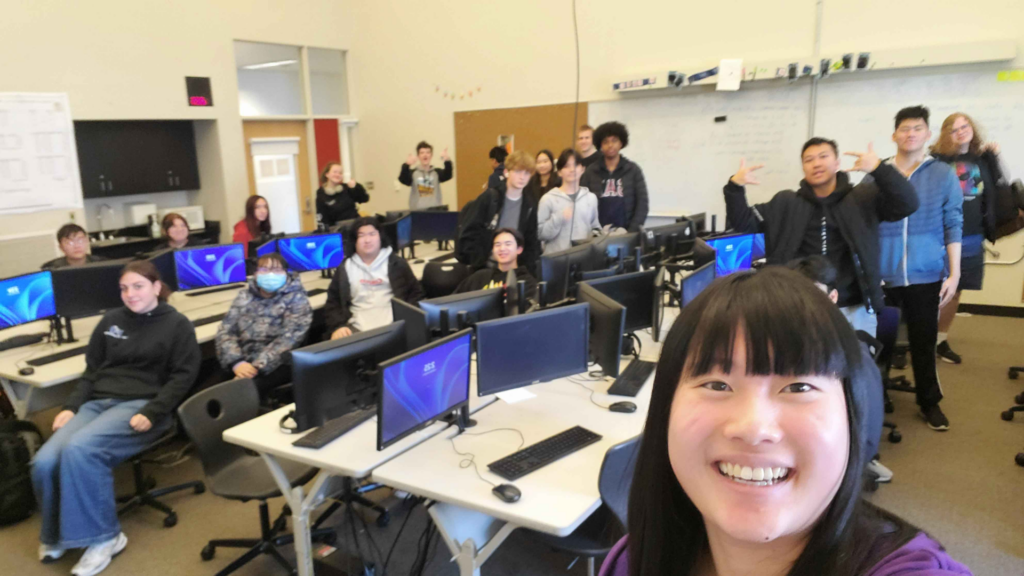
(870, 486)
(383, 520)
(889, 408)
(200, 488)
(207, 553)
(286, 510)
(1007, 415)
(1019, 459)
(150, 483)
(1012, 374)
(171, 520)
(1019, 398)
(895, 437)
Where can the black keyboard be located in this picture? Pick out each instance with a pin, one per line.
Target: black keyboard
(21, 340)
(208, 320)
(543, 453)
(63, 354)
(632, 379)
(316, 291)
(332, 429)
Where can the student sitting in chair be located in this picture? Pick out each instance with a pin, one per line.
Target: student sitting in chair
(140, 363)
(507, 246)
(266, 321)
(176, 231)
(74, 243)
(360, 294)
(757, 458)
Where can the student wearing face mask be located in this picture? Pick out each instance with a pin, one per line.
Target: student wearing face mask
(755, 462)
(267, 319)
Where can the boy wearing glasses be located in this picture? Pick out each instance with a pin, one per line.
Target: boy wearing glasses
(74, 243)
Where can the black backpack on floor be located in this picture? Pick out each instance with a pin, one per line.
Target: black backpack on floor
(19, 441)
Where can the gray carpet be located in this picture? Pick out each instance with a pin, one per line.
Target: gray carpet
(962, 486)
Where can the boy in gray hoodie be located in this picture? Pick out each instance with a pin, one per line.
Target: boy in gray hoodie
(568, 212)
(424, 181)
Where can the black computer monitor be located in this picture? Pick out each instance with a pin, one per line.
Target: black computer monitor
(658, 305)
(736, 252)
(309, 252)
(607, 325)
(26, 298)
(88, 289)
(540, 346)
(561, 270)
(479, 304)
(418, 388)
(392, 215)
(416, 333)
(265, 248)
(635, 291)
(164, 262)
(399, 232)
(332, 378)
(696, 282)
(656, 238)
(209, 266)
(700, 221)
(434, 225)
(702, 253)
(612, 246)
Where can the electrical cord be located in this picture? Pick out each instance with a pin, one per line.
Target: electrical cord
(589, 389)
(373, 543)
(398, 536)
(469, 459)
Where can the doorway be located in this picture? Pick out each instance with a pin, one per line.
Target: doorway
(277, 158)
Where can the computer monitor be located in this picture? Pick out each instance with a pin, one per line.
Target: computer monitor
(266, 248)
(700, 221)
(656, 238)
(392, 215)
(434, 225)
(611, 246)
(312, 252)
(399, 232)
(607, 325)
(88, 289)
(702, 253)
(164, 262)
(696, 282)
(759, 249)
(417, 388)
(416, 333)
(332, 378)
(26, 298)
(635, 291)
(734, 252)
(481, 305)
(658, 304)
(539, 346)
(209, 266)
(561, 270)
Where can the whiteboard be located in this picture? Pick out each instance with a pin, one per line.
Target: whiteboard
(38, 158)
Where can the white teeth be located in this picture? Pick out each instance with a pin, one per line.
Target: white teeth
(749, 475)
(768, 474)
(758, 475)
(746, 473)
(778, 472)
(723, 467)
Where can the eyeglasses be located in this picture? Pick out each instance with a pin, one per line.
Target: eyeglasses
(268, 270)
(78, 240)
(960, 129)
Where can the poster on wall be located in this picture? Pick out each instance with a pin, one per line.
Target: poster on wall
(508, 142)
(38, 159)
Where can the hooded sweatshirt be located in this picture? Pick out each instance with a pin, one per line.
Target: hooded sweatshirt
(425, 185)
(371, 291)
(337, 203)
(131, 356)
(622, 195)
(261, 330)
(553, 227)
(487, 278)
(913, 250)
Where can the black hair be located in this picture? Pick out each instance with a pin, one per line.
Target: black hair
(817, 268)
(818, 141)
(423, 144)
(563, 158)
(69, 230)
(520, 240)
(273, 257)
(368, 221)
(607, 129)
(912, 113)
(790, 328)
(498, 153)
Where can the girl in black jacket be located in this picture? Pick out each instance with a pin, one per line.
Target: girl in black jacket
(337, 200)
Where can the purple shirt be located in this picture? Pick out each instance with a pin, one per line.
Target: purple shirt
(922, 556)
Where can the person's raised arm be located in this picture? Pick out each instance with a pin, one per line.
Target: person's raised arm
(405, 174)
(444, 175)
(739, 215)
(896, 198)
(359, 194)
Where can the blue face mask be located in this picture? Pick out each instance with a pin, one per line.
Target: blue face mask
(271, 282)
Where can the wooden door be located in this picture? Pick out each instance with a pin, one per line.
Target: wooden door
(292, 129)
(535, 128)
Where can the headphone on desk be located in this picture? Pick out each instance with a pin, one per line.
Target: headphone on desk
(285, 429)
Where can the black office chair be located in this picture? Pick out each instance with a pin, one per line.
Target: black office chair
(1019, 407)
(442, 279)
(877, 350)
(146, 493)
(233, 474)
(888, 333)
(598, 533)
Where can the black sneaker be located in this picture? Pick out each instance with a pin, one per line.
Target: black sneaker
(943, 351)
(935, 418)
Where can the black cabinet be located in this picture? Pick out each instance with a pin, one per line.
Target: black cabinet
(118, 158)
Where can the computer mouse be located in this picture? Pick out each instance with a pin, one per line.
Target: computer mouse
(624, 407)
(507, 492)
(27, 371)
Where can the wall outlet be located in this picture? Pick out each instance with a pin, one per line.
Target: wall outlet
(368, 185)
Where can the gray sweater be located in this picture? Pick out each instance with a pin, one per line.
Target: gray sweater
(425, 185)
(553, 227)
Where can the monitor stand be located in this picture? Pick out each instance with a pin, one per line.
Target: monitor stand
(223, 288)
(461, 419)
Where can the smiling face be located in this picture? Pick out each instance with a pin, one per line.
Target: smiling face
(75, 246)
(911, 135)
(506, 250)
(962, 131)
(761, 457)
(425, 155)
(261, 210)
(138, 293)
(178, 231)
(335, 175)
(571, 172)
(820, 164)
(585, 141)
(368, 242)
(544, 165)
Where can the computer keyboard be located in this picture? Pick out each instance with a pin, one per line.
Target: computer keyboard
(21, 340)
(208, 320)
(543, 453)
(632, 379)
(63, 354)
(332, 429)
(316, 291)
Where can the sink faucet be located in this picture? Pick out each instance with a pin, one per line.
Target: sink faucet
(99, 217)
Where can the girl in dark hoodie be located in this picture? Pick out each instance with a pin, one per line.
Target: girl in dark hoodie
(337, 200)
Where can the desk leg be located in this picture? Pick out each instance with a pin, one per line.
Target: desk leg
(462, 529)
(19, 394)
(301, 509)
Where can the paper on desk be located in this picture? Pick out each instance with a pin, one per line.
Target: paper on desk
(730, 73)
(516, 395)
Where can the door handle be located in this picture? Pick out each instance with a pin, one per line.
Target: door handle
(177, 181)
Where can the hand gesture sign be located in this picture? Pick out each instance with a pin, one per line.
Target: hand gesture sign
(743, 176)
(866, 161)
(444, 155)
(411, 159)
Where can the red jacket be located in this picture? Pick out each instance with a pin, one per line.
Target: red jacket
(242, 235)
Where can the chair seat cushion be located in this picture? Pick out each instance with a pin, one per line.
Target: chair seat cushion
(248, 478)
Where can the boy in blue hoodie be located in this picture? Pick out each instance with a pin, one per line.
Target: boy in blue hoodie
(920, 255)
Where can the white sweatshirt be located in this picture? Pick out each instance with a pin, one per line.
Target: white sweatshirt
(553, 226)
(371, 291)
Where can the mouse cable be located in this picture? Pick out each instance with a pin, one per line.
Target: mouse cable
(416, 501)
(470, 458)
(591, 390)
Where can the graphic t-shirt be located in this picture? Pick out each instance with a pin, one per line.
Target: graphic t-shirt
(425, 184)
(972, 186)
(611, 204)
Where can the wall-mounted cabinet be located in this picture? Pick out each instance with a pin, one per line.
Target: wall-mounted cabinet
(118, 158)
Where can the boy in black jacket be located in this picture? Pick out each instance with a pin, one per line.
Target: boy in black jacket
(829, 216)
(507, 246)
(619, 184)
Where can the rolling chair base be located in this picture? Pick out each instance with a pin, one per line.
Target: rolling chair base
(146, 495)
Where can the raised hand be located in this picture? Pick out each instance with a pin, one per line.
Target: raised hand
(411, 160)
(744, 175)
(866, 161)
(992, 147)
(444, 156)
(351, 183)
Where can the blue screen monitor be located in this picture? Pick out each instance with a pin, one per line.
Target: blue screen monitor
(209, 266)
(759, 252)
(734, 253)
(695, 283)
(419, 387)
(26, 298)
(313, 252)
(266, 248)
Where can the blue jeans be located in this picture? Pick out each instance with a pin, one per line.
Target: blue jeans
(73, 472)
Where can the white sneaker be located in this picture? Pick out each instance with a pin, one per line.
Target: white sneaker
(97, 557)
(49, 553)
(883, 473)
